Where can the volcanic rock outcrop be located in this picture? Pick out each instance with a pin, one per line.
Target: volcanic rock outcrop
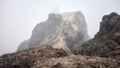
(48, 57)
(106, 42)
(65, 31)
(103, 51)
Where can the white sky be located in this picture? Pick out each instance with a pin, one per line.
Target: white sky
(19, 17)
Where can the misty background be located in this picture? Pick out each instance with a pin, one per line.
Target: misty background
(19, 17)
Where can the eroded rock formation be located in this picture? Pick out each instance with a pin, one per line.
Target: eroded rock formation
(103, 51)
(64, 31)
(106, 42)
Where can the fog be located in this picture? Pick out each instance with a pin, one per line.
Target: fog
(18, 17)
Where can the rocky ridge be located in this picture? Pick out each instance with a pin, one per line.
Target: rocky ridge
(65, 30)
(103, 51)
(106, 42)
(48, 57)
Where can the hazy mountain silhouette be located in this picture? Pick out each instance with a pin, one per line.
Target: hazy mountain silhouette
(103, 51)
(65, 31)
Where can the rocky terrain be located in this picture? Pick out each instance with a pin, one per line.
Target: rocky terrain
(103, 51)
(48, 57)
(65, 30)
(106, 42)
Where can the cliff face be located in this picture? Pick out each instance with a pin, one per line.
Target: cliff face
(106, 42)
(64, 31)
(103, 51)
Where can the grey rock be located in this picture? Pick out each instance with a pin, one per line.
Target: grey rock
(65, 31)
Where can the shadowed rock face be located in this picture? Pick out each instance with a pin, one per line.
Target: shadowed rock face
(65, 31)
(106, 42)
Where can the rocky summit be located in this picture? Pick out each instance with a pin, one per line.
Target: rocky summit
(103, 51)
(65, 30)
(106, 42)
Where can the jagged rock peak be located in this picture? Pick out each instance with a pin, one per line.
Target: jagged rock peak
(106, 42)
(107, 24)
(65, 30)
(106, 45)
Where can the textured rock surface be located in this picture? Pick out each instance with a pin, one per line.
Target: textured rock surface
(47, 57)
(26, 58)
(64, 31)
(103, 51)
(106, 42)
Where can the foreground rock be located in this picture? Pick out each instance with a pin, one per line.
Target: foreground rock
(77, 61)
(106, 42)
(65, 31)
(26, 58)
(48, 57)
